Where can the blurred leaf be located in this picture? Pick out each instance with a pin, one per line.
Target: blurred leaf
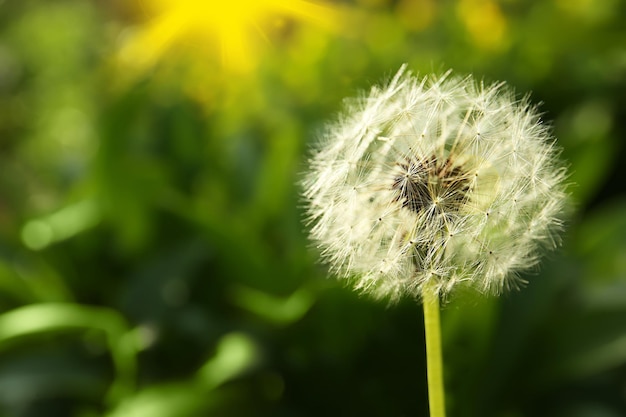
(511, 352)
(588, 336)
(236, 353)
(55, 317)
(27, 278)
(30, 377)
(584, 345)
(586, 130)
(61, 225)
(173, 400)
(274, 309)
(601, 241)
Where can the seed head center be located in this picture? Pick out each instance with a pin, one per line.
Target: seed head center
(430, 183)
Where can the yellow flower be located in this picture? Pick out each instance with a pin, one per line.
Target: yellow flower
(233, 31)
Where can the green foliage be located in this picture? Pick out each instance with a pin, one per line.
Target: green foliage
(153, 260)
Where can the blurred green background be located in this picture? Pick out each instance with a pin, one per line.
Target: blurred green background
(153, 260)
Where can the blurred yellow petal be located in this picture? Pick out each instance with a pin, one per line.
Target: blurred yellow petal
(485, 23)
(234, 31)
(416, 15)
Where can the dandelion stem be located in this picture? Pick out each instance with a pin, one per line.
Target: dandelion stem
(434, 361)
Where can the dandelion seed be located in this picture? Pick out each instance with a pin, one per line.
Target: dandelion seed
(427, 184)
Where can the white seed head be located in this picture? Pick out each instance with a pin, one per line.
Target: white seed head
(424, 184)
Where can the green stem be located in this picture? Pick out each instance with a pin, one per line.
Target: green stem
(434, 362)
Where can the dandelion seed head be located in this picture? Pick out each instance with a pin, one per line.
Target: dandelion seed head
(429, 183)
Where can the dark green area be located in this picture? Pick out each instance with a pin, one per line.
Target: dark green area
(153, 260)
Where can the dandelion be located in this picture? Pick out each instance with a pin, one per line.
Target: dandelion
(428, 184)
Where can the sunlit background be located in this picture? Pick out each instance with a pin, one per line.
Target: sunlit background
(153, 260)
